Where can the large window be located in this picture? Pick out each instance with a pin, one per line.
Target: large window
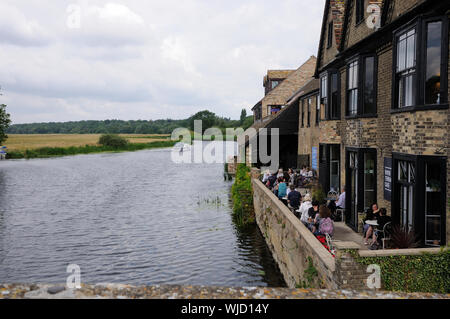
(369, 106)
(361, 181)
(352, 89)
(433, 66)
(421, 66)
(361, 86)
(406, 180)
(406, 68)
(433, 205)
(330, 97)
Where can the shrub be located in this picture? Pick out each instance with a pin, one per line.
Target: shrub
(112, 140)
(318, 194)
(242, 195)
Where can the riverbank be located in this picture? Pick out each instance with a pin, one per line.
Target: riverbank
(46, 152)
(118, 291)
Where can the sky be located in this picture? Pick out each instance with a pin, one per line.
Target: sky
(155, 59)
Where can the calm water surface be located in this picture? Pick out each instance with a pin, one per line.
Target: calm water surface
(133, 218)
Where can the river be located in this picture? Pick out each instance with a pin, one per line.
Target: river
(135, 218)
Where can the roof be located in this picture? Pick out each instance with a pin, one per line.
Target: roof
(310, 87)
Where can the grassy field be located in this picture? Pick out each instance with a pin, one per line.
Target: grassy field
(21, 142)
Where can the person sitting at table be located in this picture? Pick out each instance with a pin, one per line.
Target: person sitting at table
(303, 171)
(312, 214)
(304, 209)
(291, 176)
(325, 223)
(280, 173)
(282, 188)
(340, 204)
(294, 197)
(382, 220)
(266, 176)
(309, 173)
(272, 181)
(371, 215)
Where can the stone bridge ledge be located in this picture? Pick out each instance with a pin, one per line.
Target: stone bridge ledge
(119, 291)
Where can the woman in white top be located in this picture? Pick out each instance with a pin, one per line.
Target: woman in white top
(266, 176)
(280, 173)
(304, 208)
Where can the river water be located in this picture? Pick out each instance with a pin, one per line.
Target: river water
(134, 218)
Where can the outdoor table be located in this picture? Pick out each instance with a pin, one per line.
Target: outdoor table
(372, 222)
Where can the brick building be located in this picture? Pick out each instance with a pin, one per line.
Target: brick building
(273, 111)
(383, 70)
(381, 91)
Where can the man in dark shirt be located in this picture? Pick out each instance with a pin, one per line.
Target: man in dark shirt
(294, 198)
(272, 180)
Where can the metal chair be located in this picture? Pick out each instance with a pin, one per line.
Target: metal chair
(329, 242)
(386, 232)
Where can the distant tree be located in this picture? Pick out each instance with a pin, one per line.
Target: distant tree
(5, 121)
(208, 120)
(243, 115)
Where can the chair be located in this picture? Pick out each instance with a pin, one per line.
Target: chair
(385, 233)
(329, 242)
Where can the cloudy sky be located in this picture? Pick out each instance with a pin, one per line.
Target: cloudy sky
(134, 59)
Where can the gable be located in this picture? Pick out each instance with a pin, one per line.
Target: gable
(333, 21)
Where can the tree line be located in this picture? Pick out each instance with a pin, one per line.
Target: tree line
(167, 126)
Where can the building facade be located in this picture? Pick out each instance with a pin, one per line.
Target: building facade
(385, 116)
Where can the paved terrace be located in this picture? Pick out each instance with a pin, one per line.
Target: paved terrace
(117, 291)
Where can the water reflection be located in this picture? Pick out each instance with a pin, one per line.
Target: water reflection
(131, 217)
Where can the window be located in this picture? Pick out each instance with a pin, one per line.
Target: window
(359, 11)
(303, 112)
(352, 89)
(330, 97)
(420, 67)
(406, 179)
(433, 206)
(317, 110)
(324, 93)
(334, 105)
(433, 67)
(330, 34)
(275, 84)
(309, 112)
(369, 88)
(369, 179)
(406, 68)
(335, 167)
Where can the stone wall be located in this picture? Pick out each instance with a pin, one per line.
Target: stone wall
(290, 242)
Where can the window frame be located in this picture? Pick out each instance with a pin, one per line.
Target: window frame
(420, 25)
(360, 108)
(360, 6)
(328, 100)
(318, 109)
(330, 34)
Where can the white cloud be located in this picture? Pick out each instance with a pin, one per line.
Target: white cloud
(147, 59)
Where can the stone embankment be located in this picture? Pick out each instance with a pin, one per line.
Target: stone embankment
(117, 291)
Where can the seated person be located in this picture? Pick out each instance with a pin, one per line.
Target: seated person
(326, 226)
(372, 215)
(266, 177)
(271, 181)
(304, 209)
(340, 204)
(303, 171)
(280, 173)
(294, 198)
(312, 214)
(282, 188)
(309, 173)
(382, 220)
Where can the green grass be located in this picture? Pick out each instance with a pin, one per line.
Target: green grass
(46, 152)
